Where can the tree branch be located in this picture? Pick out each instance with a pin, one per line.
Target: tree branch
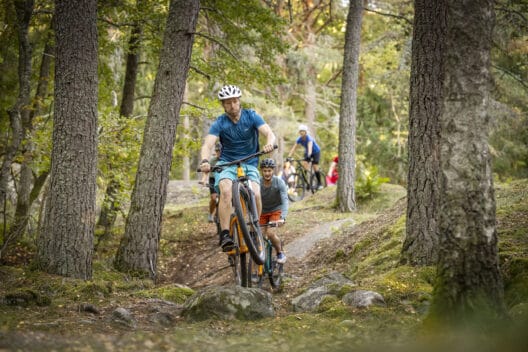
(217, 42)
(389, 15)
(194, 106)
(508, 10)
(511, 74)
(118, 25)
(200, 72)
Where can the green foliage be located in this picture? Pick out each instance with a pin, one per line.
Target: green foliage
(368, 182)
(509, 146)
(232, 44)
(119, 146)
(509, 136)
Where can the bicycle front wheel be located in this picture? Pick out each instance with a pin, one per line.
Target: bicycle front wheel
(255, 274)
(297, 189)
(246, 212)
(237, 260)
(275, 275)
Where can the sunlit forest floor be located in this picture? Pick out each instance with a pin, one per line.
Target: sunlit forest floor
(364, 246)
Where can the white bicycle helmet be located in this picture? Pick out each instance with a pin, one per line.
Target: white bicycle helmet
(303, 128)
(229, 91)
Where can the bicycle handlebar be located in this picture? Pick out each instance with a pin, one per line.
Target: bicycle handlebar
(274, 223)
(234, 162)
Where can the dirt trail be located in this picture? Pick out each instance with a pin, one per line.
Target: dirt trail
(190, 192)
(299, 247)
(202, 263)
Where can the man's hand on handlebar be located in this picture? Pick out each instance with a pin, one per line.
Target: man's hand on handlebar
(205, 166)
(268, 148)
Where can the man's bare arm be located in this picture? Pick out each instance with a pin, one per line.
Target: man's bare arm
(266, 131)
(207, 146)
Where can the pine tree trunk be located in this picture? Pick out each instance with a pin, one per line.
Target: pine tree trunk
(139, 248)
(346, 199)
(65, 243)
(426, 97)
(469, 283)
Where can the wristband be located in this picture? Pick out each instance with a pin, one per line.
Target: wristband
(204, 161)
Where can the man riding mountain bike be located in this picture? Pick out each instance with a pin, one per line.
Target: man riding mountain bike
(238, 131)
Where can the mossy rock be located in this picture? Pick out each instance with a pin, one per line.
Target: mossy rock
(93, 289)
(520, 312)
(174, 293)
(26, 298)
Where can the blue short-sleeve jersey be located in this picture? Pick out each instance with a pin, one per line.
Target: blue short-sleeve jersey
(304, 143)
(238, 139)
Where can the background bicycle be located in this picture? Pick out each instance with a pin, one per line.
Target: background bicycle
(302, 180)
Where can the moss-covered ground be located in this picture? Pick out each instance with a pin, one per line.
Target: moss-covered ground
(44, 312)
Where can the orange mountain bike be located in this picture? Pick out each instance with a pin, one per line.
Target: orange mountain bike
(244, 226)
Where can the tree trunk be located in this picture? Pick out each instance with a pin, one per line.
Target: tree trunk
(186, 164)
(19, 113)
(469, 283)
(132, 63)
(27, 183)
(138, 249)
(310, 100)
(425, 106)
(347, 122)
(65, 243)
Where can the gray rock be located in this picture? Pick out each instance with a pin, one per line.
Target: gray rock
(228, 303)
(334, 279)
(124, 317)
(363, 299)
(162, 318)
(310, 300)
(329, 285)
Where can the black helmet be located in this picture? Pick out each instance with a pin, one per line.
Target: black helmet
(268, 162)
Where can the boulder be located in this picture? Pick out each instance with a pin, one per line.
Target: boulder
(363, 299)
(228, 303)
(332, 285)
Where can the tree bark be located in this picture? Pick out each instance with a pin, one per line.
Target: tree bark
(138, 249)
(65, 243)
(425, 107)
(346, 201)
(469, 284)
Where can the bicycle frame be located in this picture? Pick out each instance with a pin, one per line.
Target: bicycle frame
(270, 267)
